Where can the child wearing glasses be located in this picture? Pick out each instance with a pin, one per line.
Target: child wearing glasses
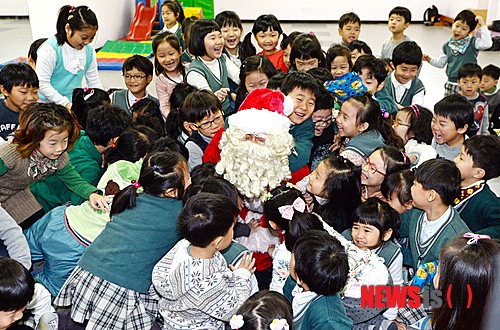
(382, 162)
(324, 131)
(137, 74)
(203, 115)
(413, 125)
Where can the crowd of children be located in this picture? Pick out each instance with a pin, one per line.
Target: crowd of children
(330, 176)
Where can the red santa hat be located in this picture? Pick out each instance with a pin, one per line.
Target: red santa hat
(264, 111)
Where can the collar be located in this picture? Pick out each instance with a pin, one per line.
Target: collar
(439, 221)
(471, 98)
(397, 84)
(469, 191)
(492, 93)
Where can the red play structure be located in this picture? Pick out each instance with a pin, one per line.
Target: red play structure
(144, 18)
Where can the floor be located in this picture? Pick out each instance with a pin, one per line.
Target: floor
(16, 38)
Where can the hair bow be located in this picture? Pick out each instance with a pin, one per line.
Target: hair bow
(236, 322)
(136, 184)
(287, 211)
(280, 324)
(86, 97)
(474, 238)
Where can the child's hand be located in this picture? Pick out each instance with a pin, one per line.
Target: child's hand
(480, 21)
(270, 250)
(222, 94)
(247, 262)
(337, 141)
(99, 202)
(309, 201)
(69, 106)
(426, 58)
(254, 224)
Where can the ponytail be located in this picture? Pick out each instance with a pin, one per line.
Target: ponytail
(247, 49)
(78, 18)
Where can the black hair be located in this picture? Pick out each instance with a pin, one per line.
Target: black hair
(401, 11)
(160, 171)
(492, 71)
(457, 108)
(172, 40)
(360, 46)
(469, 70)
(131, 146)
(176, 7)
(32, 52)
(138, 62)
(200, 104)
(147, 112)
(388, 63)
(306, 46)
(301, 80)
(262, 308)
(105, 123)
(205, 217)
(394, 159)
(187, 24)
(324, 100)
(399, 183)
(152, 133)
(18, 74)
(321, 74)
(408, 52)
(321, 262)
(228, 18)
(441, 175)
(468, 17)
(277, 80)
(199, 31)
(368, 111)
(251, 64)
(261, 24)
(377, 213)
(376, 67)
(86, 99)
(420, 119)
(289, 39)
(214, 185)
(349, 18)
(166, 144)
(202, 172)
(485, 153)
(78, 18)
(17, 285)
(337, 50)
(152, 122)
(173, 124)
(343, 192)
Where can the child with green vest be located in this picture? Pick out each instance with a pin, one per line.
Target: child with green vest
(402, 84)
(117, 266)
(461, 48)
(211, 68)
(477, 205)
(65, 59)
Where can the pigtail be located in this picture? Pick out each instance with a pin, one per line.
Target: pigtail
(247, 49)
(125, 199)
(180, 11)
(62, 19)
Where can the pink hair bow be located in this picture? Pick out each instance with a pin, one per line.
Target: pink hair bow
(287, 211)
(475, 237)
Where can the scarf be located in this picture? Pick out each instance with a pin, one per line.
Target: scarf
(459, 46)
(468, 191)
(40, 165)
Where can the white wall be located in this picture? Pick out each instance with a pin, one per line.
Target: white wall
(114, 17)
(327, 10)
(13, 7)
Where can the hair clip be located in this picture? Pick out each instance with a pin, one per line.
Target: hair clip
(236, 322)
(267, 196)
(415, 109)
(279, 324)
(385, 114)
(287, 211)
(89, 95)
(290, 185)
(136, 184)
(113, 145)
(155, 168)
(474, 238)
(405, 157)
(311, 32)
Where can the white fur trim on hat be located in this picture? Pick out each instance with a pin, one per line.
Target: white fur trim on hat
(255, 121)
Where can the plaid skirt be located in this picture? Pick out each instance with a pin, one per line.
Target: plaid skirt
(106, 305)
(450, 88)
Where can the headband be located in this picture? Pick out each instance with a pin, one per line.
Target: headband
(415, 109)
